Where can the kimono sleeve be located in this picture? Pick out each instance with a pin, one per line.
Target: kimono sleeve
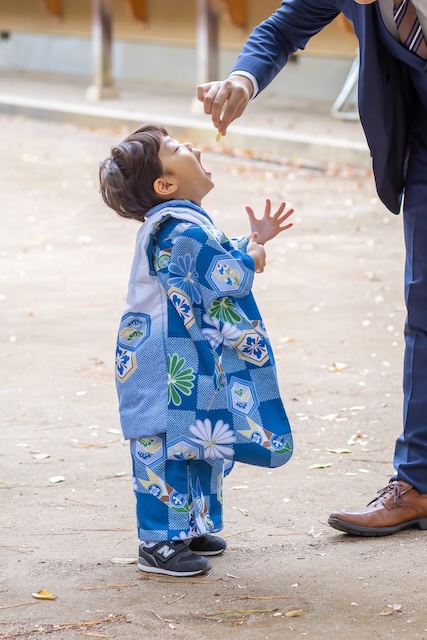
(206, 268)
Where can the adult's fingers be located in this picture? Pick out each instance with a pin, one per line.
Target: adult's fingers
(230, 102)
(225, 100)
(206, 93)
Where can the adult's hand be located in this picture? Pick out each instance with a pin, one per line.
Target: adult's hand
(225, 100)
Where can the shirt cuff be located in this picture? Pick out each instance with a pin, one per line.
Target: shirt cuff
(251, 77)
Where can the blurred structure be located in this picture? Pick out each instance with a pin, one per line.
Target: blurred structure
(103, 84)
(167, 41)
(345, 105)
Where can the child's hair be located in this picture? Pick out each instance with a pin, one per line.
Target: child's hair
(127, 176)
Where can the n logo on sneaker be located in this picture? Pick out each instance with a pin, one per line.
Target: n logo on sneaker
(166, 551)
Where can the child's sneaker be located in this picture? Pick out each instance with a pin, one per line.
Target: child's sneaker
(208, 545)
(172, 559)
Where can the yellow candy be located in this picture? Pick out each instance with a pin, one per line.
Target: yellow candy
(218, 136)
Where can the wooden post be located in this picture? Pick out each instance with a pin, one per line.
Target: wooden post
(207, 42)
(103, 85)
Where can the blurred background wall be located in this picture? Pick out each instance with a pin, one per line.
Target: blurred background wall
(155, 40)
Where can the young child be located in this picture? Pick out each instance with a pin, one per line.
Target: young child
(195, 372)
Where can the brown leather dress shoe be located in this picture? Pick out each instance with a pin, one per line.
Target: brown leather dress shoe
(398, 506)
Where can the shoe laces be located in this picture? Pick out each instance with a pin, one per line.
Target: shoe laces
(392, 487)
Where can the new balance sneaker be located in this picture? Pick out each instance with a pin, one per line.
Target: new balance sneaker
(208, 545)
(172, 559)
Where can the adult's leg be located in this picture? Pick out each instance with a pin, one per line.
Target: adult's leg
(403, 503)
(410, 460)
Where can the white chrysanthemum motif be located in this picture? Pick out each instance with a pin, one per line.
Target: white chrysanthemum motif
(214, 439)
(183, 536)
(227, 334)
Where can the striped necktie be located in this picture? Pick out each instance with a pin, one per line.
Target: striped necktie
(409, 28)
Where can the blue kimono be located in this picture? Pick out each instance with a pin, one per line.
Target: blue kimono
(195, 372)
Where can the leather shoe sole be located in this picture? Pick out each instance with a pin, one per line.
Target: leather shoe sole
(358, 530)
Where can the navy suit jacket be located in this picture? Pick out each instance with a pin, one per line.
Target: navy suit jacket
(386, 94)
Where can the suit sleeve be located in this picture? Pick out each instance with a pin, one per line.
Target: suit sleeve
(273, 41)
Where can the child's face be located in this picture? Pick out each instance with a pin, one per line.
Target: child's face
(182, 168)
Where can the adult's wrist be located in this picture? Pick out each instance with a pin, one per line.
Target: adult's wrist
(247, 80)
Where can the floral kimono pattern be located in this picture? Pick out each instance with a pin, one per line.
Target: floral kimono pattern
(192, 332)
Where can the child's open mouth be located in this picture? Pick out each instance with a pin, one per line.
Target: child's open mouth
(199, 158)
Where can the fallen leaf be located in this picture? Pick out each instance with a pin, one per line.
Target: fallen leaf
(44, 594)
(124, 560)
(56, 479)
(84, 239)
(41, 456)
(326, 465)
(294, 614)
(358, 438)
(339, 450)
(391, 609)
(337, 366)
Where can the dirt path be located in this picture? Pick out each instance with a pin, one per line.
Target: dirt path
(332, 300)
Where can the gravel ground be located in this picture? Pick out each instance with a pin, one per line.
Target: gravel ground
(332, 301)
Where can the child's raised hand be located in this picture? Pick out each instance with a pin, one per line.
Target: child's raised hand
(270, 225)
(257, 251)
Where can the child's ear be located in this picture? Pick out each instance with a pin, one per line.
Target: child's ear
(164, 186)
